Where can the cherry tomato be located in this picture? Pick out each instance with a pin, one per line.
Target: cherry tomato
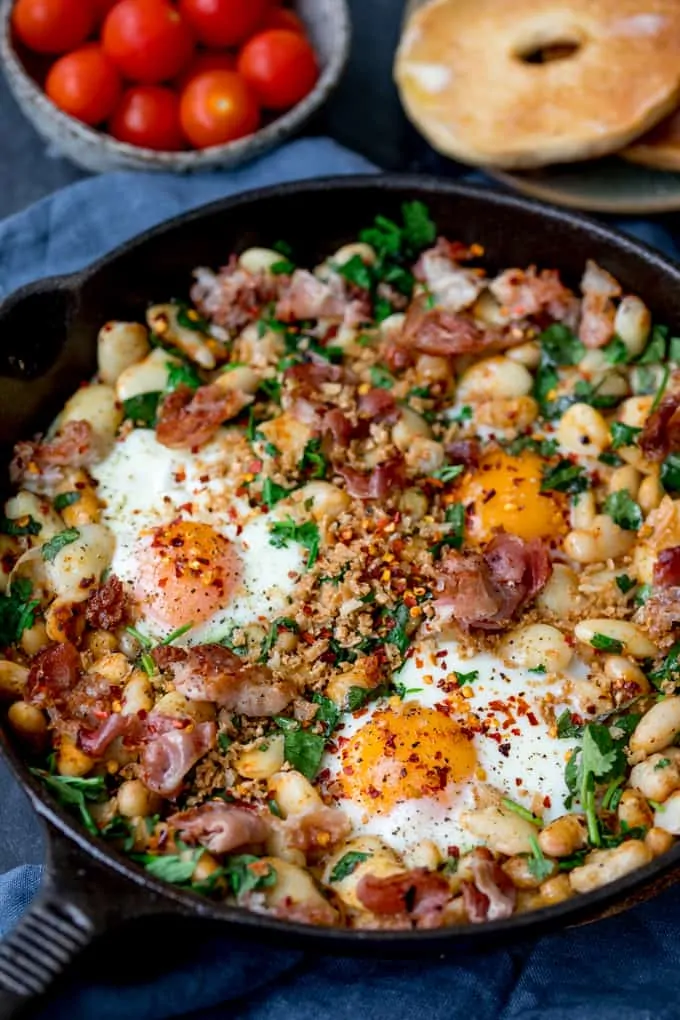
(223, 22)
(148, 115)
(53, 26)
(281, 17)
(208, 61)
(85, 84)
(102, 8)
(281, 67)
(148, 40)
(218, 107)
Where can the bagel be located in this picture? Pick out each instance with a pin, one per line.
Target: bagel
(468, 79)
(660, 147)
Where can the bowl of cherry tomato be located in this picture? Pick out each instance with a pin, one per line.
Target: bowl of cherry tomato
(171, 84)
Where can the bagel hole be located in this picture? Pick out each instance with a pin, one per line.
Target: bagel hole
(549, 52)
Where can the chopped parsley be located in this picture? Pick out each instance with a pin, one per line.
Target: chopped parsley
(539, 866)
(655, 351)
(142, 409)
(284, 267)
(50, 550)
(302, 749)
(606, 644)
(599, 760)
(357, 272)
(616, 352)
(18, 527)
(448, 473)
(523, 812)
(313, 463)
(17, 611)
(670, 473)
(398, 634)
(189, 318)
(624, 583)
(623, 435)
(381, 377)
(306, 534)
(642, 594)
(565, 477)
(65, 499)
(663, 763)
(182, 374)
(462, 415)
(669, 670)
(559, 346)
(566, 727)
(543, 447)
(74, 792)
(273, 493)
(283, 623)
(623, 510)
(454, 537)
(327, 713)
(463, 679)
(347, 865)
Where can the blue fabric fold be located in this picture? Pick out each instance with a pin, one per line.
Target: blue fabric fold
(623, 968)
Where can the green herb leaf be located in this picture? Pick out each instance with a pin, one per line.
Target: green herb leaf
(606, 644)
(616, 352)
(623, 510)
(565, 477)
(670, 473)
(463, 679)
(642, 594)
(357, 272)
(174, 868)
(453, 539)
(284, 267)
(523, 812)
(539, 866)
(623, 435)
(463, 414)
(566, 727)
(381, 377)
(398, 634)
(283, 623)
(17, 611)
(347, 865)
(448, 473)
(73, 792)
(273, 493)
(303, 750)
(65, 499)
(306, 534)
(175, 634)
(20, 526)
(245, 873)
(419, 229)
(669, 670)
(182, 374)
(120, 828)
(624, 583)
(357, 697)
(142, 409)
(612, 459)
(666, 374)
(313, 463)
(561, 346)
(224, 742)
(327, 713)
(655, 351)
(600, 759)
(50, 550)
(189, 318)
(543, 447)
(663, 763)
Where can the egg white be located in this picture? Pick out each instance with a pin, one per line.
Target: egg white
(143, 484)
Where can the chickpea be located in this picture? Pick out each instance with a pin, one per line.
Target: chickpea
(564, 836)
(29, 724)
(135, 800)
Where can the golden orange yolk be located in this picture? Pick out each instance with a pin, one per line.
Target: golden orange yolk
(404, 754)
(504, 494)
(186, 573)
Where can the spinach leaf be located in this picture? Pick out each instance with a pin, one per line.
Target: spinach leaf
(623, 510)
(50, 550)
(142, 409)
(347, 865)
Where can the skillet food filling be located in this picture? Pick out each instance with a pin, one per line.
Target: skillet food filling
(349, 595)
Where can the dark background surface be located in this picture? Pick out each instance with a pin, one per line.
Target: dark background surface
(364, 115)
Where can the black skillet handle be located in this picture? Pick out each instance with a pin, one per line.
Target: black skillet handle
(78, 900)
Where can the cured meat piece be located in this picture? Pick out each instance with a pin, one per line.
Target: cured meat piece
(221, 827)
(189, 418)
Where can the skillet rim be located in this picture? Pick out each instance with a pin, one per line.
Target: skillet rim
(583, 907)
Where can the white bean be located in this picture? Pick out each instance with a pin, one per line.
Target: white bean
(410, 425)
(633, 640)
(538, 644)
(502, 831)
(425, 854)
(668, 815)
(392, 326)
(328, 500)
(583, 430)
(626, 477)
(29, 724)
(650, 494)
(119, 345)
(134, 800)
(147, 376)
(77, 567)
(163, 320)
(96, 404)
(381, 862)
(295, 887)
(494, 377)
(605, 540)
(528, 354)
(259, 260)
(13, 679)
(658, 776)
(564, 836)
(604, 866)
(137, 694)
(560, 595)
(632, 323)
(261, 759)
(349, 251)
(241, 378)
(27, 504)
(425, 456)
(583, 510)
(658, 728)
(293, 793)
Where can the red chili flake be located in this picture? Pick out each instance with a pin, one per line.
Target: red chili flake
(532, 718)
(442, 775)
(504, 749)
(372, 792)
(324, 775)
(453, 851)
(488, 495)
(348, 770)
(518, 781)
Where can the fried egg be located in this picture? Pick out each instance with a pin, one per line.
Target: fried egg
(467, 732)
(189, 548)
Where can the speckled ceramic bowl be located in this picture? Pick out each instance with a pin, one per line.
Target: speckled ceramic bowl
(328, 25)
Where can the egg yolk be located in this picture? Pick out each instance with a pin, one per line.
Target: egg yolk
(186, 573)
(504, 494)
(404, 754)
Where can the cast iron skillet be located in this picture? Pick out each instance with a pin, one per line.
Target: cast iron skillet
(47, 346)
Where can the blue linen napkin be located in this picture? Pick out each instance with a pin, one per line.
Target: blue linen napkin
(625, 968)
